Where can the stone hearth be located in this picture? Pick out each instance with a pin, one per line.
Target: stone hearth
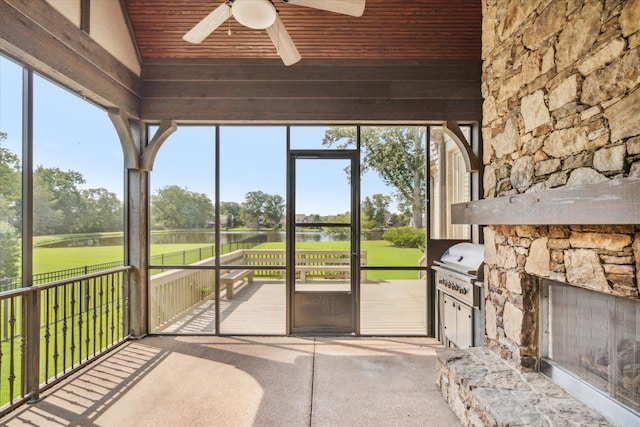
(483, 390)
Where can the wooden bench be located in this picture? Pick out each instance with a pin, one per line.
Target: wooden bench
(229, 279)
(326, 270)
(310, 263)
(326, 264)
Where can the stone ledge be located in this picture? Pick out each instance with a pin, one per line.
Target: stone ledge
(483, 390)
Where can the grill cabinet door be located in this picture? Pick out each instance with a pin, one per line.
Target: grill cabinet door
(463, 326)
(450, 318)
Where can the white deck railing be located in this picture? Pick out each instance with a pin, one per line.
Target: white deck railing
(177, 292)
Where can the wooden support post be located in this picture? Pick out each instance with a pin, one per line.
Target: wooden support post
(132, 134)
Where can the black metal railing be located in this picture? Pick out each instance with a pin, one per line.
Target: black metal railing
(194, 255)
(180, 257)
(48, 331)
(52, 276)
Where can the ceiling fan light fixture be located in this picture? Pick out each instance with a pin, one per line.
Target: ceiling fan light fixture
(256, 14)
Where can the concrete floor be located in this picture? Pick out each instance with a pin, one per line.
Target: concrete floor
(250, 381)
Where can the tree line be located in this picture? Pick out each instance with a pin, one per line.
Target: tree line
(60, 205)
(174, 207)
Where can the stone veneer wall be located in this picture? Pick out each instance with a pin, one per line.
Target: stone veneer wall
(561, 85)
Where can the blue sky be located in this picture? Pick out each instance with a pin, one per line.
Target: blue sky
(72, 134)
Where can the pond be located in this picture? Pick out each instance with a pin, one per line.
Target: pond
(200, 236)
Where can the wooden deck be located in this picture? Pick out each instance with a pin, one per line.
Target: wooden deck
(395, 307)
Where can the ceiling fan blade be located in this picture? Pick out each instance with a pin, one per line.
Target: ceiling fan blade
(208, 25)
(346, 7)
(283, 43)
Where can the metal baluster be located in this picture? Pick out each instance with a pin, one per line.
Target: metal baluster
(101, 317)
(95, 316)
(47, 332)
(80, 321)
(12, 331)
(120, 313)
(65, 328)
(56, 314)
(73, 302)
(112, 280)
(87, 298)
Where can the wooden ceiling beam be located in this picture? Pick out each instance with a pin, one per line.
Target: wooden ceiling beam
(40, 37)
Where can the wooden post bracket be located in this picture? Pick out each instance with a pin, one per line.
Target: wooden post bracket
(167, 127)
(120, 120)
(452, 129)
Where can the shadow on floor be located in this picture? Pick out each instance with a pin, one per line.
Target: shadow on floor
(250, 381)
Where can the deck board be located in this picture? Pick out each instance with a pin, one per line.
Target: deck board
(395, 307)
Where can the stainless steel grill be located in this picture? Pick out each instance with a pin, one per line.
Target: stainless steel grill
(459, 296)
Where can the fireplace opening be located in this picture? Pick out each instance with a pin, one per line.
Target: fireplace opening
(590, 345)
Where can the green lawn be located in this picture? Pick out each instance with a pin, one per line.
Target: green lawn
(53, 259)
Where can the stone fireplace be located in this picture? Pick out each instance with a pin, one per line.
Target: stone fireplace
(593, 338)
(564, 300)
(599, 258)
(561, 89)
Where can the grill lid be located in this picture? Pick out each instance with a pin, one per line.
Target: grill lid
(464, 257)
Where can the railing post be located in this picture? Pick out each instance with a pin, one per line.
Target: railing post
(30, 302)
(31, 305)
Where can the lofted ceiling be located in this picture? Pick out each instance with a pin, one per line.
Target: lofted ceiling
(388, 30)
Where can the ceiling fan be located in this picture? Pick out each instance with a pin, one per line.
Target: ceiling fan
(263, 15)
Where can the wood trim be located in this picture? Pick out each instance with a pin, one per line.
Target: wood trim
(39, 37)
(311, 110)
(351, 91)
(354, 71)
(612, 202)
(315, 90)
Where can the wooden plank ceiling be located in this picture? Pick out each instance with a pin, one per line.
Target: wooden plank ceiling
(388, 30)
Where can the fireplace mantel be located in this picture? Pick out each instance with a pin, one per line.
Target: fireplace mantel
(611, 202)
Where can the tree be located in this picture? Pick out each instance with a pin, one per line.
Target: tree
(397, 154)
(101, 211)
(10, 185)
(259, 207)
(274, 209)
(9, 254)
(174, 207)
(252, 208)
(367, 209)
(47, 218)
(339, 233)
(233, 212)
(58, 192)
(374, 210)
(381, 204)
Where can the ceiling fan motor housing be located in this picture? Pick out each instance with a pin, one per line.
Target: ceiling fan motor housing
(256, 14)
